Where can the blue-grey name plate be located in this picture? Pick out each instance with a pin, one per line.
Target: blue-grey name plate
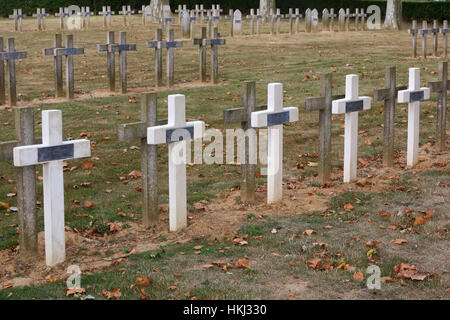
(64, 151)
(277, 118)
(416, 96)
(353, 106)
(179, 134)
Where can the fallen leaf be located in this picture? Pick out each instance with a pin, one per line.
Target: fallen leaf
(75, 291)
(399, 241)
(358, 275)
(115, 294)
(348, 207)
(144, 281)
(87, 165)
(242, 263)
(418, 220)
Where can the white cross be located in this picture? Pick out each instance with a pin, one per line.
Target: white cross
(51, 154)
(351, 105)
(176, 132)
(413, 95)
(274, 117)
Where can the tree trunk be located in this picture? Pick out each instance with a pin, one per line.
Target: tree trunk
(393, 19)
(266, 5)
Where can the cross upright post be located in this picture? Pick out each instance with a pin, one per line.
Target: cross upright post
(435, 32)
(26, 181)
(192, 19)
(58, 71)
(158, 56)
(2, 75)
(170, 44)
(441, 87)
(445, 30)
(51, 154)
(69, 51)
(63, 14)
(414, 32)
(10, 56)
(363, 16)
(351, 105)
(424, 32)
(388, 94)
(215, 42)
(413, 95)
(332, 16)
(243, 115)
(324, 105)
(258, 21)
(298, 16)
(231, 18)
(202, 49)
(149, 162)
(17, 16)
(176, 133)
(252, 16)
(37, 15)
(274, 118)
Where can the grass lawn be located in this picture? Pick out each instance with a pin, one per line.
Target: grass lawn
(278, 261)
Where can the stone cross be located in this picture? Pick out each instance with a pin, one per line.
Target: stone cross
(145, 12)
(351, 105)
(314, 20)
(51, 154)
(388, 94)
(111, 48)
(176, 133)
(237, 22)
(26, 181)
(179, 10)
(201, 11)
(40, 16)
(341, 18)
(252, 17)
(167, 21)
(441, 87)
(357, 16)
(192, 20)
(58, 65)
(63, 14)
(308, 20)
(332, 15)
(445, 31)
(278, 16)
(435, 32)
(274, 118)
(216, 17)
(324, 105)
(413, 95)
(424, 31)
(170, 44)
(149, 163)
(17, 16)
(106, 13)
(325, 19)
(298, 15)
(126, 11)
(242, 115)
(202, 48)
(258, 21)
(363, 16)
(414, 32)
(291, 17)
(10, 56)
(348, 15)
(215, 42)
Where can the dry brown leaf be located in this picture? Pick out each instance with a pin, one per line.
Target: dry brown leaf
(399, 241)
(144, 281)
(358, 275)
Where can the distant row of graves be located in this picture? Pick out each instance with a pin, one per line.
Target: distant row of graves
(58, 51)
(27, 151)
(80, 18)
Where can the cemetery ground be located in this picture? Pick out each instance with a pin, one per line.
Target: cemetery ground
(232, 250)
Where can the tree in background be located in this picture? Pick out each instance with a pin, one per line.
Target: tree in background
(393, 19)
(266, 5)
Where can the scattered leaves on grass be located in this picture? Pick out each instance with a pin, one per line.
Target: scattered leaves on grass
(242, 263)
(399, 241)
(86, 165)
(144, 281)
(72, 291)
(115, 294)
(408, 271)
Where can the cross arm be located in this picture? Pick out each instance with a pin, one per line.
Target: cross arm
(266, 118)
(383, 93)
(165, 134)
(236, 115)
(7, 147)
(67, 51)
(413, 95)
(12, 55)
(170, 44)
(436, 86)
(213, 42)
(39, 154)
(318, 103)
(344, 105)
(135, 130)
(152, 44)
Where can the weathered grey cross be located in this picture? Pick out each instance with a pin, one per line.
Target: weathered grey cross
(26, 181)
(111, 48)
(247, 148)
(332, 15)
(424, 31)
(324, 105)
(58, 65)
(414, 32)
(17, 16)
(202, 48)
(435, 32)
(215, 42)
(445, 30)
(159, 44)
(40, 15)
(388, 94)
(106, 12)
(252, 17)
(441, 87)
(69, 51)
(230, 17)
(10, 56)
(149, 164)
(63, 14)
(126, 10)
